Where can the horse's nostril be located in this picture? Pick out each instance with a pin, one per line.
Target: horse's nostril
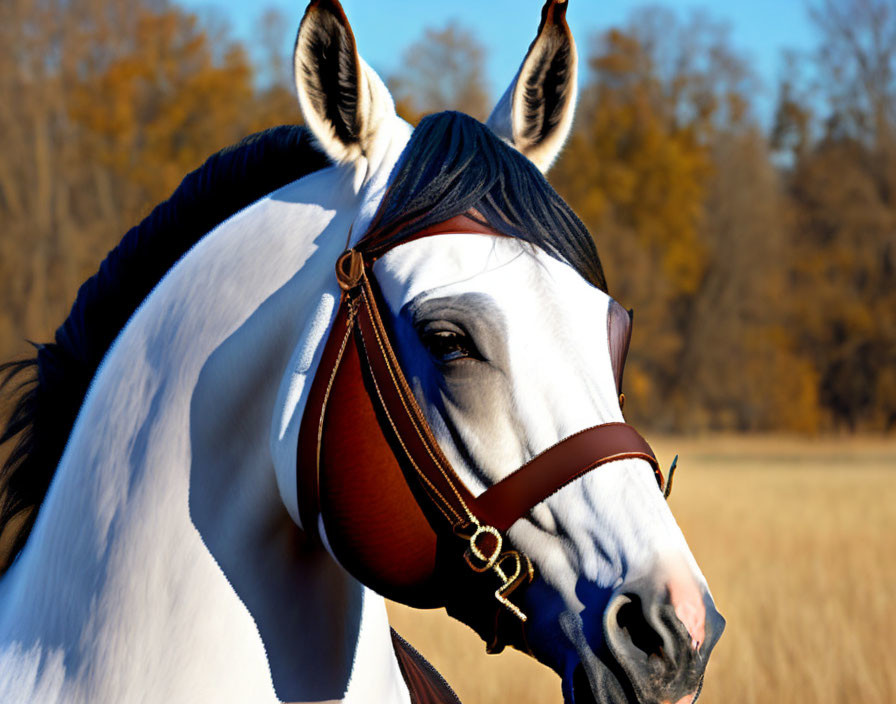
(634, 627)
(652, 646)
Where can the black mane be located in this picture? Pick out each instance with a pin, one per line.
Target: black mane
(455, 165)
(54, 382)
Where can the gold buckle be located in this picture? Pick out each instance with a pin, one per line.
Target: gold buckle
(485, 562)
(349, 269)
(512, 581)
(481, 559)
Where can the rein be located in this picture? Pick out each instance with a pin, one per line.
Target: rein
(396, 513)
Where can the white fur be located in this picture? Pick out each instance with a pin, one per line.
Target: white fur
(117, 595)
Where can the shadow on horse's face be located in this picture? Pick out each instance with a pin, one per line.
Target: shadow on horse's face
(506, 349)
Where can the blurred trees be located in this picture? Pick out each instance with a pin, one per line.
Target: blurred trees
(107, 105)
(842, 192)
(677, 186)
(760, 259)
(761, 267)
(442, 71)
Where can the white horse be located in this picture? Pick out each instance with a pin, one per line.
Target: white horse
(165, 563)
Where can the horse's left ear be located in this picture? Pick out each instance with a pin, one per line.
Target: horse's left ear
(343, 101)
(535, 114)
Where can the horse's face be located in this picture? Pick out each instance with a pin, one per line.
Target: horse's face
(508, 354)
(507, 351)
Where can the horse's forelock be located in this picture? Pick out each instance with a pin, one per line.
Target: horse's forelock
(454, 165)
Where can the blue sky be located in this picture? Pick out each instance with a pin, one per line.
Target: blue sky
(760, 29)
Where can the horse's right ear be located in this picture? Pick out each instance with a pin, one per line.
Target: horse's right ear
(535, 114)
(343, 101)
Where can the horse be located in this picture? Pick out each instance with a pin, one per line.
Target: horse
(163, 548)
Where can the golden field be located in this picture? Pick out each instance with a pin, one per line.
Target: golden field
(797, 539)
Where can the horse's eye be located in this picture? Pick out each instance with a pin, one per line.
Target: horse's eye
(447, 344)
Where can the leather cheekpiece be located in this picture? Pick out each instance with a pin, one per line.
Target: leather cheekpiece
(396, 514)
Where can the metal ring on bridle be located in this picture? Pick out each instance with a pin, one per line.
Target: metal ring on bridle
(488, 561)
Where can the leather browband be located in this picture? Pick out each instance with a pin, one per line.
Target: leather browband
(481, 520)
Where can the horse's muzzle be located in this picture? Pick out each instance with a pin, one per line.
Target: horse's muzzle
(659, 638)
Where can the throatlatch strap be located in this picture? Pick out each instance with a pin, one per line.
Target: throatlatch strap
(425, 684)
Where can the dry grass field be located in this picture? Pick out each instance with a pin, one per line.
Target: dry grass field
(797, 540)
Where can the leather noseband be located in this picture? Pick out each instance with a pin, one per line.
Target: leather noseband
(396, 514)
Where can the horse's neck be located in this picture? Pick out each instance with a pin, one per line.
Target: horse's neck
(163, 566)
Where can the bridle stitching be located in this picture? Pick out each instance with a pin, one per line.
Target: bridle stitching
(323, 408)
(509, 584)
(600, 463)
(635, 455)
(414, 413)
(407, 452)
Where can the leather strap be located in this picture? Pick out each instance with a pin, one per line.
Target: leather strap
(425, 684)
(502, 504)
(400, 406)
(311, 427)
(513, 497)
(376, 243)
(480, 520)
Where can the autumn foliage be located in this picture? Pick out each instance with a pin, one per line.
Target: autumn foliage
(762, 267)
(760, 259)
(688, 212)
(106, 105)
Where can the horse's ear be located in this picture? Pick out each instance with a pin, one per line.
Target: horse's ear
(343, 101)
(535, 114)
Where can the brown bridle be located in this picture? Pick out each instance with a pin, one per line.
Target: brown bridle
(396, 512)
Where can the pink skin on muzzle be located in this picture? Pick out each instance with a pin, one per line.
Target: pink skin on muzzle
(687, 600)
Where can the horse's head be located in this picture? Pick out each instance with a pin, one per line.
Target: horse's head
(510, 352)
(510, 345)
